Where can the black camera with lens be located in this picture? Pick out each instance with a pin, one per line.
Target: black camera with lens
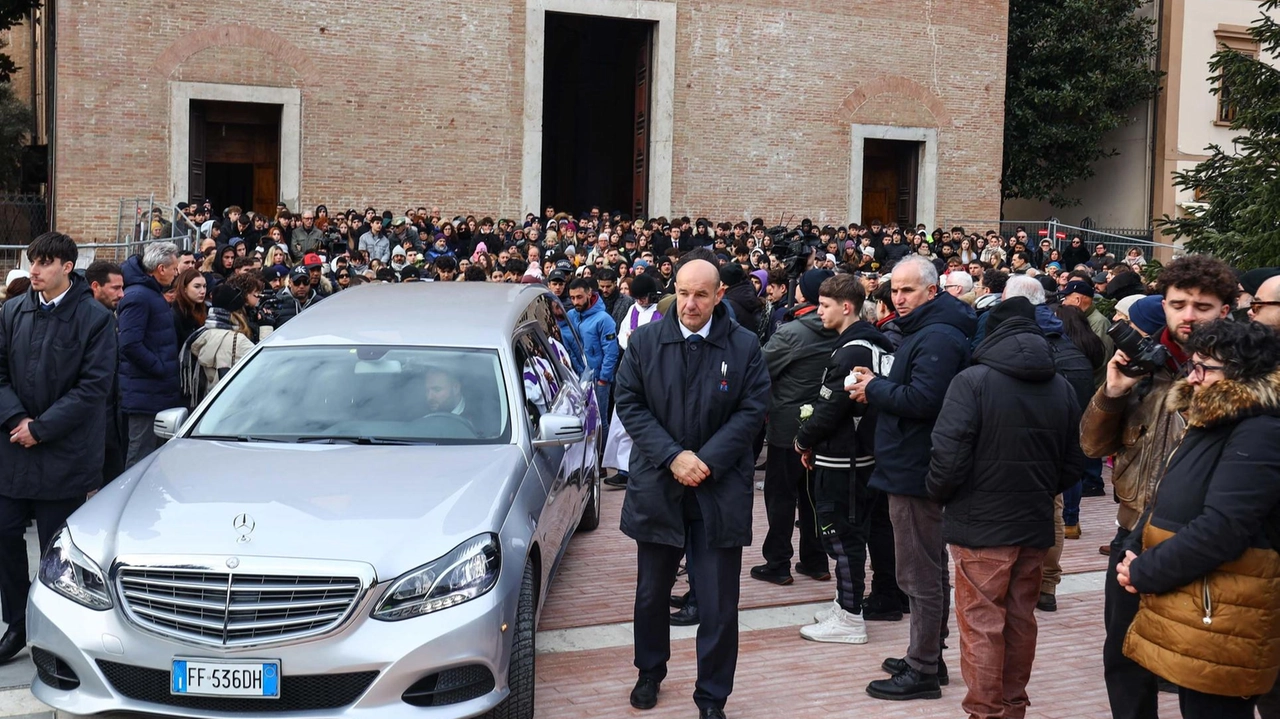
(1146, 355)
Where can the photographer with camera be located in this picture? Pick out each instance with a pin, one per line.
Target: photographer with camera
(1128, 417)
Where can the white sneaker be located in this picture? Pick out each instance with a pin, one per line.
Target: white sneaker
(840, 628)
(827, 611)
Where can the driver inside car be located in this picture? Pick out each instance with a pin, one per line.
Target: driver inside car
(444, 393)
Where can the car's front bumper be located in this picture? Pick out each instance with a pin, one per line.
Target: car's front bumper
(475, 633)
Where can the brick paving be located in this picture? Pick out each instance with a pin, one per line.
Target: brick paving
(781, 675)
(597, 578)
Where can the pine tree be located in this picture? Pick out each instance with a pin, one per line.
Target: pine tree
(1240, 222)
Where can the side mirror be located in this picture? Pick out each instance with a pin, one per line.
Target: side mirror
(167, 422)
(556, 430)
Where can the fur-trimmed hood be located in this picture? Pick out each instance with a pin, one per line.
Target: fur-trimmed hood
(1226, 400)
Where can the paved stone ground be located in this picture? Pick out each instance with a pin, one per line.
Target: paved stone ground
(781, 675)
(597, 578)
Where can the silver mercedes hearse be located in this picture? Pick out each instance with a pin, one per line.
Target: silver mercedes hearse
(362, 519)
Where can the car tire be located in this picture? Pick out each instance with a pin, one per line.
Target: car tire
(591, 513)
(520, 668)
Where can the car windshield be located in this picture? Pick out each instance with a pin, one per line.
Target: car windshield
(363, 395)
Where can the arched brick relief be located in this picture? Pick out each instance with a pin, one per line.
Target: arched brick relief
(894, 85)
(234, 36)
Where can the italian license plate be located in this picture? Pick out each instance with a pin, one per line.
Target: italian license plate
(246, 678)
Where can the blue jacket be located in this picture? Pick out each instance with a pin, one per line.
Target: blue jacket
(569, 337)
(148, 345)
(599, 338)
(934, 350)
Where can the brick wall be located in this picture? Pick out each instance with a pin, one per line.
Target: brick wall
(407, 103)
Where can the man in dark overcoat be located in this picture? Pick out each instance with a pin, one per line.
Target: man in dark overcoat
(57, 366)
(692, 392)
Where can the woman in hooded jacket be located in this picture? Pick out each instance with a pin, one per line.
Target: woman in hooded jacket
(220, 266)
(1208, 571)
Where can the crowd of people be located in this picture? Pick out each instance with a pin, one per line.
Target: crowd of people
(913, 397)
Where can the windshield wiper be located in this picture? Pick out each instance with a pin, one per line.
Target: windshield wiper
(234, 438)
(357, 439)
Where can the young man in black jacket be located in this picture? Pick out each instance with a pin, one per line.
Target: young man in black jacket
(998, 461)
(57, 369)
(836, 444)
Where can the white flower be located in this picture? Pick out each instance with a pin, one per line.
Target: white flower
(806, 411)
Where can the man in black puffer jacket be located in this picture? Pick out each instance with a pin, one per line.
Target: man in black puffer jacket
(836, 443)
(999, 459)
(148, 346)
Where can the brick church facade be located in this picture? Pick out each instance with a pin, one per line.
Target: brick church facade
(840, 111)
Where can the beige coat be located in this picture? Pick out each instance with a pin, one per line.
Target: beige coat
(219, 350)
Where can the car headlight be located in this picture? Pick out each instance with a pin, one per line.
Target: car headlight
(69, 572)
(467, 572)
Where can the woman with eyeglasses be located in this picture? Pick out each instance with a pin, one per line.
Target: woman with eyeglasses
(1209, 572)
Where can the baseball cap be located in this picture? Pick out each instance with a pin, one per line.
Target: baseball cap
(299, 273)
(311, 259)
(557, 276)
(399, 221)
(1078, 287)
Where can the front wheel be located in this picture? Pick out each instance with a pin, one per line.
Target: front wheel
(591, 513)
(520, 669)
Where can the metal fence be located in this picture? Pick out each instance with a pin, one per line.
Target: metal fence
(14, 256)
(1117, 240)
(22, 218)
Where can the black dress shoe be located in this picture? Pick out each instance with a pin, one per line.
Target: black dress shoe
(679, 600)
(711, 713)
(765, 573)
(616, 481)
(1047, 603)
(1095, 492)
(13, 641)
(879, 608)
(894, 665)
(686, 617)
(645, 693)
(906, 685)
(820, 575)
